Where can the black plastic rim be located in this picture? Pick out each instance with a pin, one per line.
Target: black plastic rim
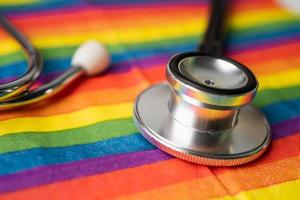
(250, 85)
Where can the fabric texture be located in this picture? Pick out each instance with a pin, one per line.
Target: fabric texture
(83, 143)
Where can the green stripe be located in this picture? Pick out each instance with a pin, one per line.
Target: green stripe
(269, 26)
(47, 53)
(67, 51)
(89, 134)
(12, 58)
(270, 96)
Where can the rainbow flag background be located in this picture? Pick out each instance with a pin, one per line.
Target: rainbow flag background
(84, 145)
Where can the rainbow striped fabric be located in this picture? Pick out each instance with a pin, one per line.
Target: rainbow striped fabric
(83, 144)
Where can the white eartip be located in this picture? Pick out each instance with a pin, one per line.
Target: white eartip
(92, 57)
(291, 5)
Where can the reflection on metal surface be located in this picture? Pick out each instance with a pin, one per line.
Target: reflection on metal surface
(247, 140)
(199, 117)
(212, 72)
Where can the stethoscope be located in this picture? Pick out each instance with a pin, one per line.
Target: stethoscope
(203, 114)
(89, 59)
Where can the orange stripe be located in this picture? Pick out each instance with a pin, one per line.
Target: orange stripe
(273, 59)
(71, 103)
(156, 175)
(135, 16)
(230, 183)
(95, 20)
(106, 89)
(255, 176)
(74, 21)
(253, 5)
(121, 80)
(127, 79)
(155, 74)
(204, 188)
(261, 62)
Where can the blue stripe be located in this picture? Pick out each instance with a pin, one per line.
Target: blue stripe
(282, 111)
(16, 161)
(41, 6)
(263, 42)
(67, 4)
(134, 2)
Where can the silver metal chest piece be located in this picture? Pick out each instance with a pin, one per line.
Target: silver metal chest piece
(202, 115)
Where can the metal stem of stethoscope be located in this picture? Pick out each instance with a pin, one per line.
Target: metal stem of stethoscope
(203, 114)
(89, 59)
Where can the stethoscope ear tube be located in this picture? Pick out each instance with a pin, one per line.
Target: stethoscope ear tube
(89, 59)
(214, 37)
(14, 88)
(18, 92)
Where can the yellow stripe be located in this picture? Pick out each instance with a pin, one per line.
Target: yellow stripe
(259, 17)
(76, 119)
(287, 190)
(17, 2)
(148, 33)
(279, 79)
(111, 37)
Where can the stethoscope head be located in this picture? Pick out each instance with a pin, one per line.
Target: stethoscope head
(202, 114)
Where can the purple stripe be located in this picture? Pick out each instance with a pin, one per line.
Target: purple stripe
(54, 173)
(268, 44)
(286, 128)
(115, 69)
(44, 13)
(7, 80)
(142, 63)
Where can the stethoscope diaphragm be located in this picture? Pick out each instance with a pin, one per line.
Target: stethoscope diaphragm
(202, 123)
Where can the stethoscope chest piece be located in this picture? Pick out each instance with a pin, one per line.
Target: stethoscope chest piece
(202, 114)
